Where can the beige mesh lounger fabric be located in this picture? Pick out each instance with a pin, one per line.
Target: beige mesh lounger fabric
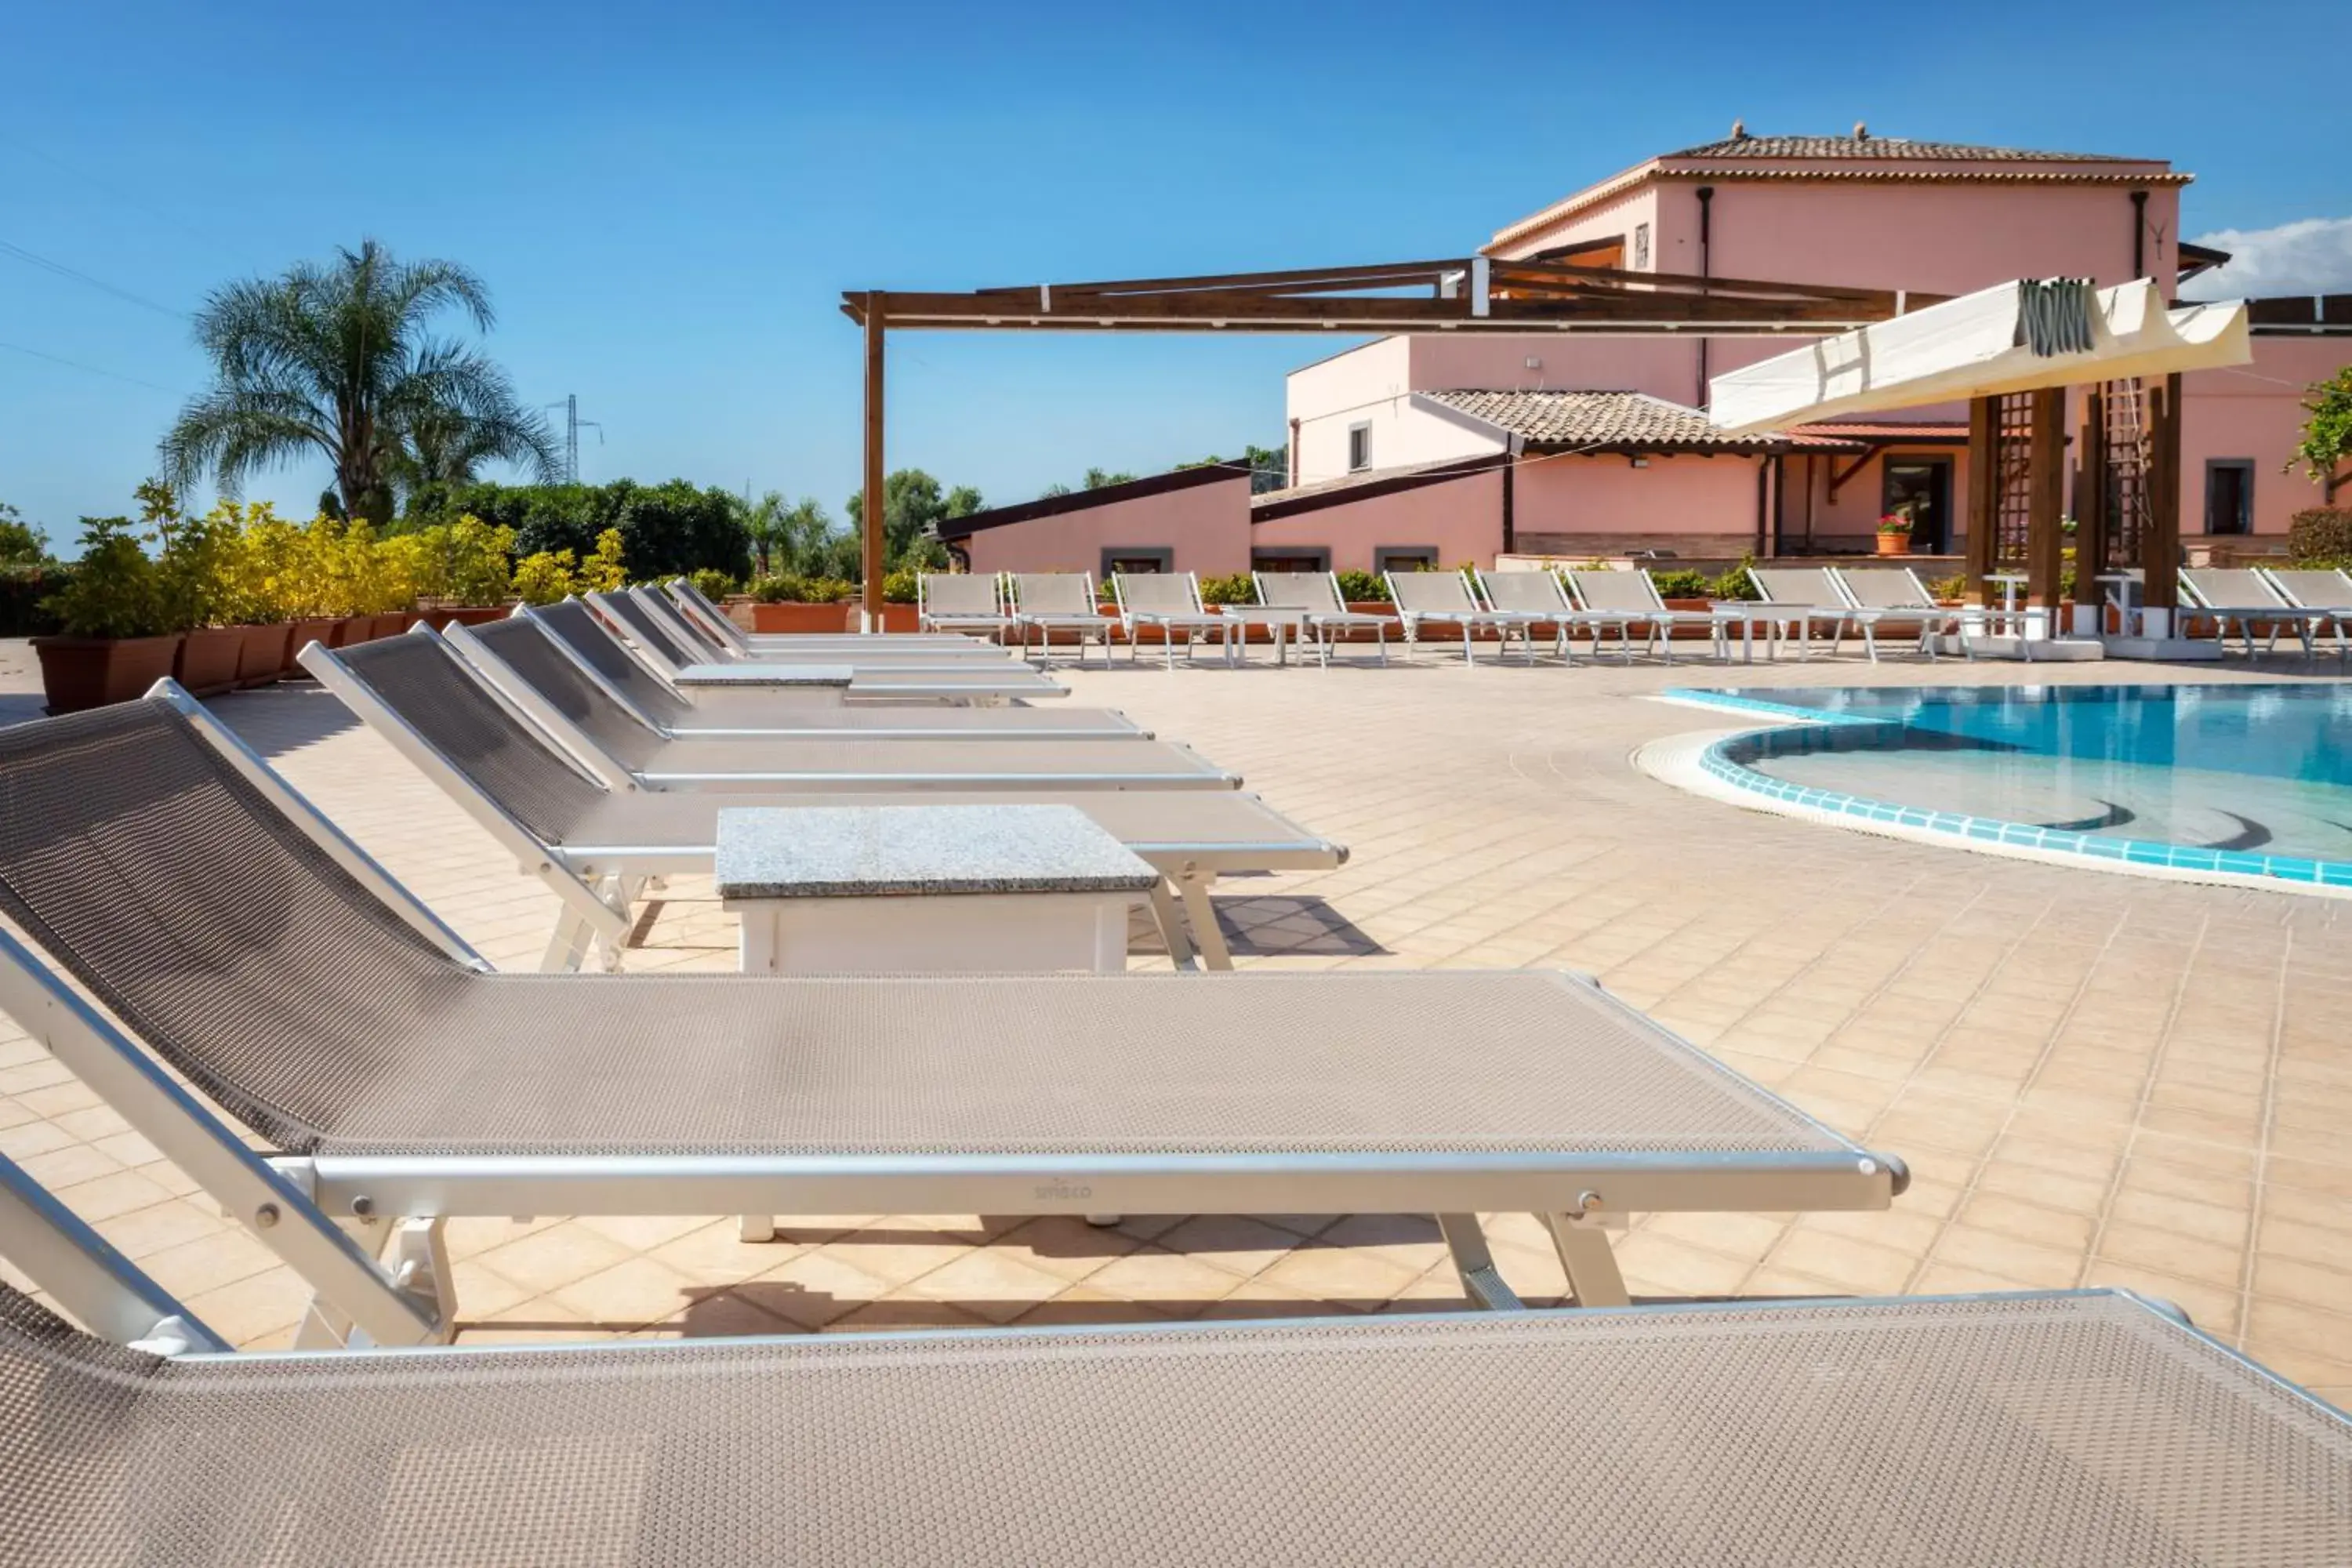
(1537, 594)
(1628, 599)
(1169, 601)
(2060, 1427)
(961, 601)
(2245, 598)
(308, 997)
(1318, 594)
(1445, 597)
(1051, 602)
(519, 657)
(2314, 589)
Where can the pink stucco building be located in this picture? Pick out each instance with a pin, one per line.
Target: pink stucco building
(1458, 448)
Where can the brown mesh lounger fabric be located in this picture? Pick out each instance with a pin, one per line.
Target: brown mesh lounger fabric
(308, 1009)
(421, 678)
(530, 653)
(2081, 1427)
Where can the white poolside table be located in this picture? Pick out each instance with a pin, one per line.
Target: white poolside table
(1289, 622)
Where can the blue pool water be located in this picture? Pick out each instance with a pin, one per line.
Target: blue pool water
(2253, 780)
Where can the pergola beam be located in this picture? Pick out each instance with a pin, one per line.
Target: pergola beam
(1461, 294)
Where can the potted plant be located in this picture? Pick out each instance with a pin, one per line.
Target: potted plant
(253, 589)
(462, 572)
(1894, 533)
(112, 645)
(899, 612)
(789, 602)
(546, 577)
(192, 584)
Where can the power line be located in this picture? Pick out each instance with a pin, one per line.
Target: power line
(91, 368)
(119, 193)
(19, 253)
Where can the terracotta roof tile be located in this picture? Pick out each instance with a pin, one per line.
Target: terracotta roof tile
(1617, 421)
(1885, 147)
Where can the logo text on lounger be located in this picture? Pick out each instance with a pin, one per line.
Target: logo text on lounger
(1058, 1191)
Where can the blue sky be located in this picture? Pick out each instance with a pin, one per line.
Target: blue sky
(666, 201)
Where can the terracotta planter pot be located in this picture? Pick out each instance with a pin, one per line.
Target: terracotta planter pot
(395, 622)
(303, 633)
(901, 619)
(1895, 544)
(206, 662)
(90, 672)
(344, 631)
(263, 653)
(800, 617)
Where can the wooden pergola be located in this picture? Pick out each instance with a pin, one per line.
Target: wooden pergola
(1475, 294)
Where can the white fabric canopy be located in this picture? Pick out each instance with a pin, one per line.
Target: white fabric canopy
(1973, 347)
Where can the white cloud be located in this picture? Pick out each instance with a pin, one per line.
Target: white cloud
(2310, 256)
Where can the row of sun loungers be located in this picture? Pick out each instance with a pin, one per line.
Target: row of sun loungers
(327, 1058)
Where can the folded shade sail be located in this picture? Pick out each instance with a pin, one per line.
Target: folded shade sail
(2009, 337)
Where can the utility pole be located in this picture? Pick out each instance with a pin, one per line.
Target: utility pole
(572, 425)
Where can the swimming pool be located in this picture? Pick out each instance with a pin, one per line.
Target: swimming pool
(2239, 782)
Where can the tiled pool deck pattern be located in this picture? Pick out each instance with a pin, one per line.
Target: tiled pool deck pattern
(2096, 1079)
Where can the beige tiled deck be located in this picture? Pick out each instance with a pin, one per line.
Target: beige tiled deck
(2096, 1078)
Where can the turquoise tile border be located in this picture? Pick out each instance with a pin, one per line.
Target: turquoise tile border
(1718, 762)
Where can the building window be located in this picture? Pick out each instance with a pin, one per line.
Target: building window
(1292, 558)
(1359, 448)
(2228, 495)
(1405, 558)
(1641, 248)
(1137, 560)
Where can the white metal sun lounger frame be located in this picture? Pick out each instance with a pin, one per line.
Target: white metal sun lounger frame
(696, 607)
(1186, 614)
(2339, 613)
(399, 1203)
(1657, 621)
(1839, 609)
(930, 617)
(1331, 614)
(1557, 608)
(1468, 614)
(1082, 615)
(2196, 584)
(598, 885)
(896, 681)
(1962, 622)
(871, 654)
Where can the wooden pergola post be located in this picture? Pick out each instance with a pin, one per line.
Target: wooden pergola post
(2045, 501)
(2091, 520)
(871, 594)
(2159, 557)
(1984, 494)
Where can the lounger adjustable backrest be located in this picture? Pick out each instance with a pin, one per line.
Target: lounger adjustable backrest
(1885, 588)
(1055, 593)
(524, 648)
(1432, 593)
(1525, 592)
(1314, 592)
(964, 593)
(642, 628)
(1615, 592)
(1158, 593)
(2240, 589)
(200, 914)
(575, 626)
(1808, 587)
(2313, 589)
(695, 608)
(420, 681)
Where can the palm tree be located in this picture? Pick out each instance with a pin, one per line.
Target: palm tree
(337, 360)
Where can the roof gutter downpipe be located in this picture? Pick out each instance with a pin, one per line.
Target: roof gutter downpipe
(1706, 270)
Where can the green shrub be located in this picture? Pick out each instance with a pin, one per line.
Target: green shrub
(1955, 586)
(1236, 589)
(545, 578)
(713, 584)
(792, 589)
(899, 587)
(114, 592)
(1682, 582)
(2321, 536)
(1363, 587)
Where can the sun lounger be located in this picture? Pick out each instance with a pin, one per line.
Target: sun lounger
(296, 986)
(1539, 595)
(2313, 588)
(1051, 602)
(528, 663)
(1444, 597)
(641, 608)
(713, 623)
(2246, 598)
(1807, 595)
(1170, 603)
(1318, 595)
(1625, 600)
(595, 838)
(962, 602)
(619, 623)
(2035, 1426)
(1893, 595)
